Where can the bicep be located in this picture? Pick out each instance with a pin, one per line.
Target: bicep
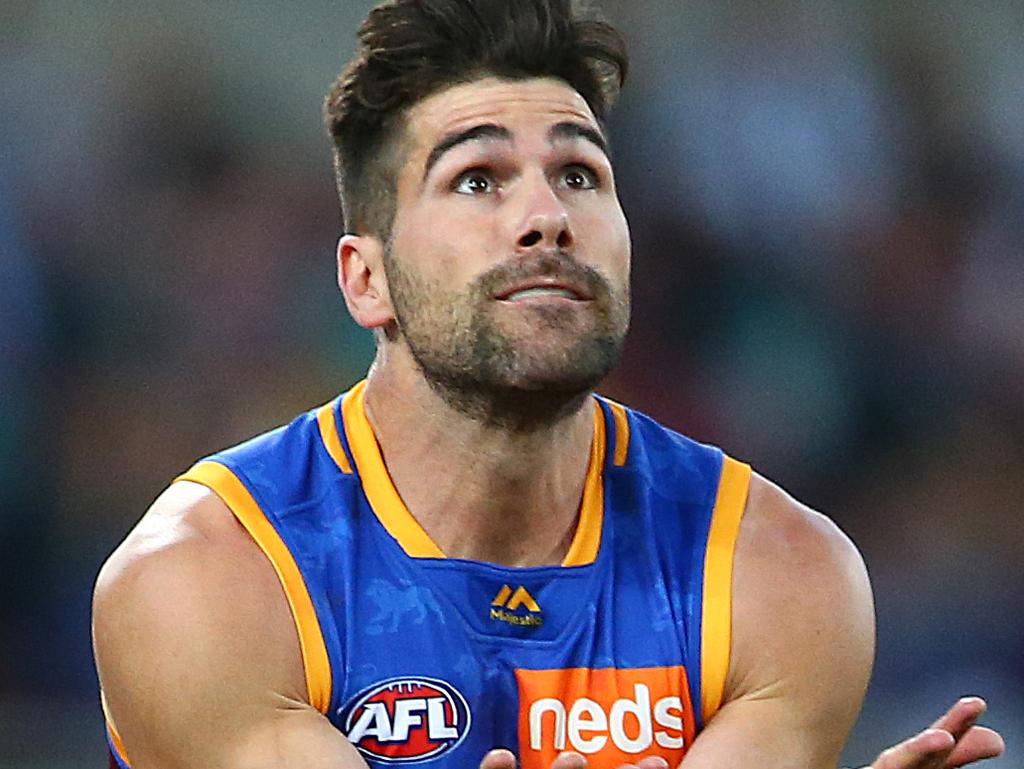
(197, 653)
(803, 642)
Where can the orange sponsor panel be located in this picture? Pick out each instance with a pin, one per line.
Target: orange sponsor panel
(612, 716)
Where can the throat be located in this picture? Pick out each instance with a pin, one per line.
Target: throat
(513, 544)
(483, 492)
(509, 516)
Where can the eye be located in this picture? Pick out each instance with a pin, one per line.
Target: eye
(577, 177)
(475, 182)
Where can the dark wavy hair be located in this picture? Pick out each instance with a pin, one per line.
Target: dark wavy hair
(411, 49)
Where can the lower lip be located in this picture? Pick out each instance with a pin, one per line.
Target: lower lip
(543, 299)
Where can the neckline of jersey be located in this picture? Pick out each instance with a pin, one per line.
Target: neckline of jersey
(401, 524)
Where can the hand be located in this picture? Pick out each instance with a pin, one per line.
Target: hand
(950, 742)
(505, 759)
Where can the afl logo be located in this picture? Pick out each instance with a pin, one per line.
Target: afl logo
(404, 720)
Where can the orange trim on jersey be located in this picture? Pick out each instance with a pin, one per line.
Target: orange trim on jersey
(325, 419)
(716, 621)
(380, 491)
(621, 432)
(226, 485)
(115, 738)
(400, 523)
(587, 540)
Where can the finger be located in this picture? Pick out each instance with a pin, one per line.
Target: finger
(962, 716)
(979, 743)
(652, 762)
(569, 760)
(499, 759)
(926, 750)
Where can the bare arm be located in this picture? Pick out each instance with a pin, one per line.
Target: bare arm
(803, 642)
(197, 651)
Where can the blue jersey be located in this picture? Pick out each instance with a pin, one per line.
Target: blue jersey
(619, 652)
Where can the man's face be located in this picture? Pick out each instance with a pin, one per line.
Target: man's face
(508, 263)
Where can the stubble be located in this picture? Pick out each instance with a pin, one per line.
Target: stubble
(520, 378)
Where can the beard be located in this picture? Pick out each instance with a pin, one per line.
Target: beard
(518, 375)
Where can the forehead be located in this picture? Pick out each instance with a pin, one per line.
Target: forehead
(518, 105)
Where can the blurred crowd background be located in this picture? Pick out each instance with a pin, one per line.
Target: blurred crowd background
(827, 204)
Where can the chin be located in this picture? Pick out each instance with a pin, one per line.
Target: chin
(532, 394)
(516, 378)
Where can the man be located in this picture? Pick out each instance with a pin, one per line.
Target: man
(469, 558)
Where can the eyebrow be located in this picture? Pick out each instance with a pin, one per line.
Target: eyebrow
(490, 132)
(571, 130)
(486, 131)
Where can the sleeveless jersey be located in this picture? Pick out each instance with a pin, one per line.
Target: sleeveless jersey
(618, 653)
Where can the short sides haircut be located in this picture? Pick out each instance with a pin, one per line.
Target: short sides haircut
(412, 49)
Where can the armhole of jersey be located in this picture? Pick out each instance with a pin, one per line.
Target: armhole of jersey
(716, 606)
(117, 751)
(226, 485)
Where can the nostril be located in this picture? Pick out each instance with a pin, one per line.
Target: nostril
(564, 239)
(530, 239)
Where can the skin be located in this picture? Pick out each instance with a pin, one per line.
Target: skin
(188, 577)
(449, 465)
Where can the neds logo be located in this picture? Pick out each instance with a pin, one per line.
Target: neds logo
(588, 727)
(612, 715)
(403, 720)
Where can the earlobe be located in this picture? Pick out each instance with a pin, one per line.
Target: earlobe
(362, 280)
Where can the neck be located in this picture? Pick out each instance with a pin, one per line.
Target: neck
(496, 490)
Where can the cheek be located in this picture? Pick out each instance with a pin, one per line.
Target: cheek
(622, 239)
(440, 262)
(454, 246)
(606, 236)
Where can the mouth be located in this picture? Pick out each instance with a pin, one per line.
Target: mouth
(544, 289)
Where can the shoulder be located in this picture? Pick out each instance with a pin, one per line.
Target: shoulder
(803, 615)
(187, 559)
(681, 466)
(187, 533)
(782, 538)
(298, 440)
(802, 638)
(175, 609)
(283, 467)
(650, 432)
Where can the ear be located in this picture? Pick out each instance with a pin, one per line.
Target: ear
(362, 281)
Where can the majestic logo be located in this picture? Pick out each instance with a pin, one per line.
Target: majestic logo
(613, 716)
(404, 720)
(507, 607)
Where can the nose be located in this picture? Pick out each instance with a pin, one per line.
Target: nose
(545, 222)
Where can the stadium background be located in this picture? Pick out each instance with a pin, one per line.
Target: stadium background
(826, 203)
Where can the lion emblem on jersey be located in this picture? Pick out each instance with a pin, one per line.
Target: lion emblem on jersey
(397, 603)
